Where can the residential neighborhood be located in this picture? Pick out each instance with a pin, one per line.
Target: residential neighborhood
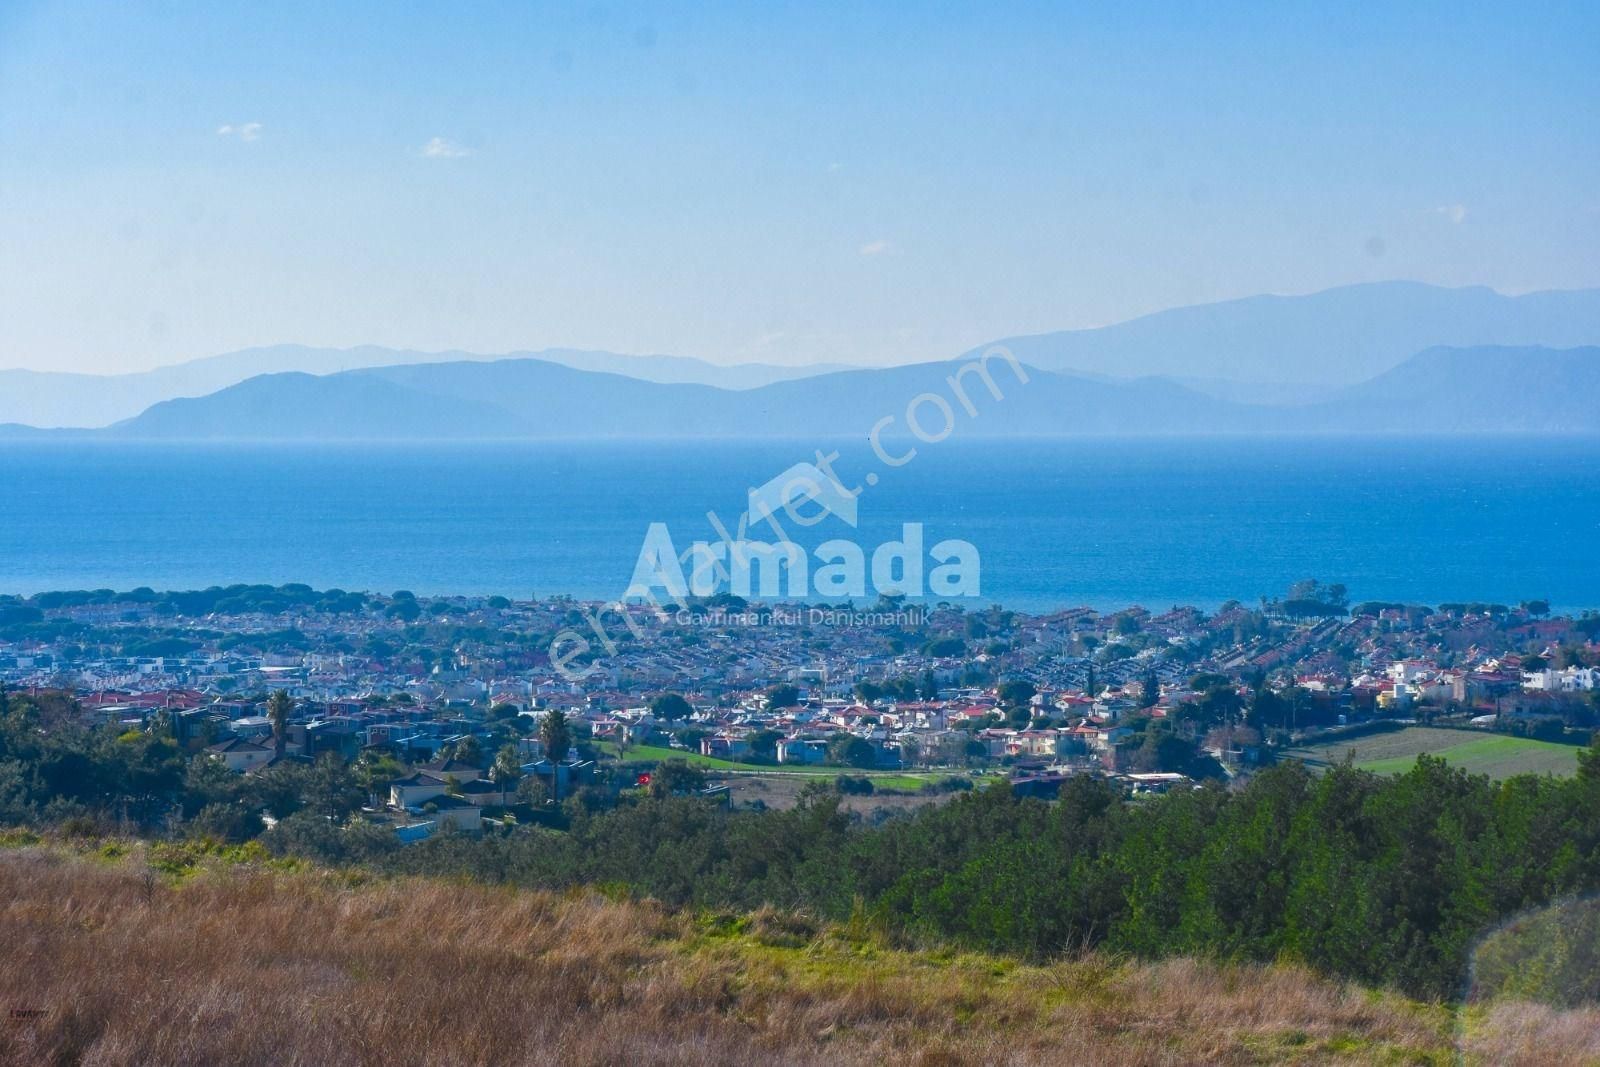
(443, 704)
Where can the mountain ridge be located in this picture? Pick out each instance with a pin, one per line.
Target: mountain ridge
(1334, 337)
(51, 399)
(1439, 390)
(1267, 349)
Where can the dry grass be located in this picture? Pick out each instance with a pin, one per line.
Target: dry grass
(246, 964)
(1519, 1032)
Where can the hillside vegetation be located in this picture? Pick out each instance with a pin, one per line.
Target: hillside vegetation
(133, 954)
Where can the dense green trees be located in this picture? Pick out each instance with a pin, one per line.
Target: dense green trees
(52, 768)
(670, 707)
(847, 750)
(764, 745)
(782, 696)
(1016, 693)
(674, 777)
(1388, 880)
(905, 689)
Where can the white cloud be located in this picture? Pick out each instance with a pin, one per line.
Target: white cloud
(244, 131)
(876, 248)
(1456, 213)
(440, 148)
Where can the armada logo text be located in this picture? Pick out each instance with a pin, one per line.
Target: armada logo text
(782, 568)
(807, 493)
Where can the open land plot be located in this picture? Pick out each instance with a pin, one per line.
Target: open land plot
(1497, 755)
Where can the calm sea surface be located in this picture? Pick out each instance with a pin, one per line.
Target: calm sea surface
(1103, 523)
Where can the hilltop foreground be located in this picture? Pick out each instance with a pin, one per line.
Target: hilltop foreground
(127, 954)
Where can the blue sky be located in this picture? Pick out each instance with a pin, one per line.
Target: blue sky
(786, 183)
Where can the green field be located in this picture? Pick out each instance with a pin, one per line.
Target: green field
(655, 754)
(1496, 755)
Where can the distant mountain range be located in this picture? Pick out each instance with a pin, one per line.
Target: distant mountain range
(1441, 390)
(524, 398)
(1332, 338)
(48, 399)
(1472, 390)
(1347, 359)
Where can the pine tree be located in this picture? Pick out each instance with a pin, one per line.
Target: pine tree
(556, 734)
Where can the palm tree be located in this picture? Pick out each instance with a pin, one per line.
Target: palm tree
(278, 709)
(507, 768)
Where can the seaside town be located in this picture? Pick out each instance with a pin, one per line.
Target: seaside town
(455, 715)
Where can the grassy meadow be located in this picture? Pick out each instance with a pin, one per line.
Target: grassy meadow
(656, 754)
(1496, 755)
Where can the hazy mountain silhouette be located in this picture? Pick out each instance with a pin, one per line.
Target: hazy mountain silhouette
(1487, 389)
(536, 399)
(1335, 337)
(49, 399)
(1224, 358)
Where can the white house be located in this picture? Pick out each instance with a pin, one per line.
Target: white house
(1570, 680)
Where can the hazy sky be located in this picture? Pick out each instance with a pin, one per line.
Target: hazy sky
(758, 182)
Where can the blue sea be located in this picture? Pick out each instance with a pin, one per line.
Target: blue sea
(1057, 523)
